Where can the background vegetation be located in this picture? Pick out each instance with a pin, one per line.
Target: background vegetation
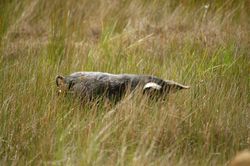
(204, 44)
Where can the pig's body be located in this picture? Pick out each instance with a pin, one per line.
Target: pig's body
(91, 85)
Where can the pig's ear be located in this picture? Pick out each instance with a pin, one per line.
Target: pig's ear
(60, 81)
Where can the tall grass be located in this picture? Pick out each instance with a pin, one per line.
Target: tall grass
(204, 44)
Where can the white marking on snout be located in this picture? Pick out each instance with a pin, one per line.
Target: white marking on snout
(152, 85)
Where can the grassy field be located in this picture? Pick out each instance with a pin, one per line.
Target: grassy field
(204, 44)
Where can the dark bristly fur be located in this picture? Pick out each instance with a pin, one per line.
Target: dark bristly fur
(92, 85)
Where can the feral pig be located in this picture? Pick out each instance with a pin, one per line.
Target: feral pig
(92, 85)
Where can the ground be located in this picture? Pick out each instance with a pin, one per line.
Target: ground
(204, 44)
